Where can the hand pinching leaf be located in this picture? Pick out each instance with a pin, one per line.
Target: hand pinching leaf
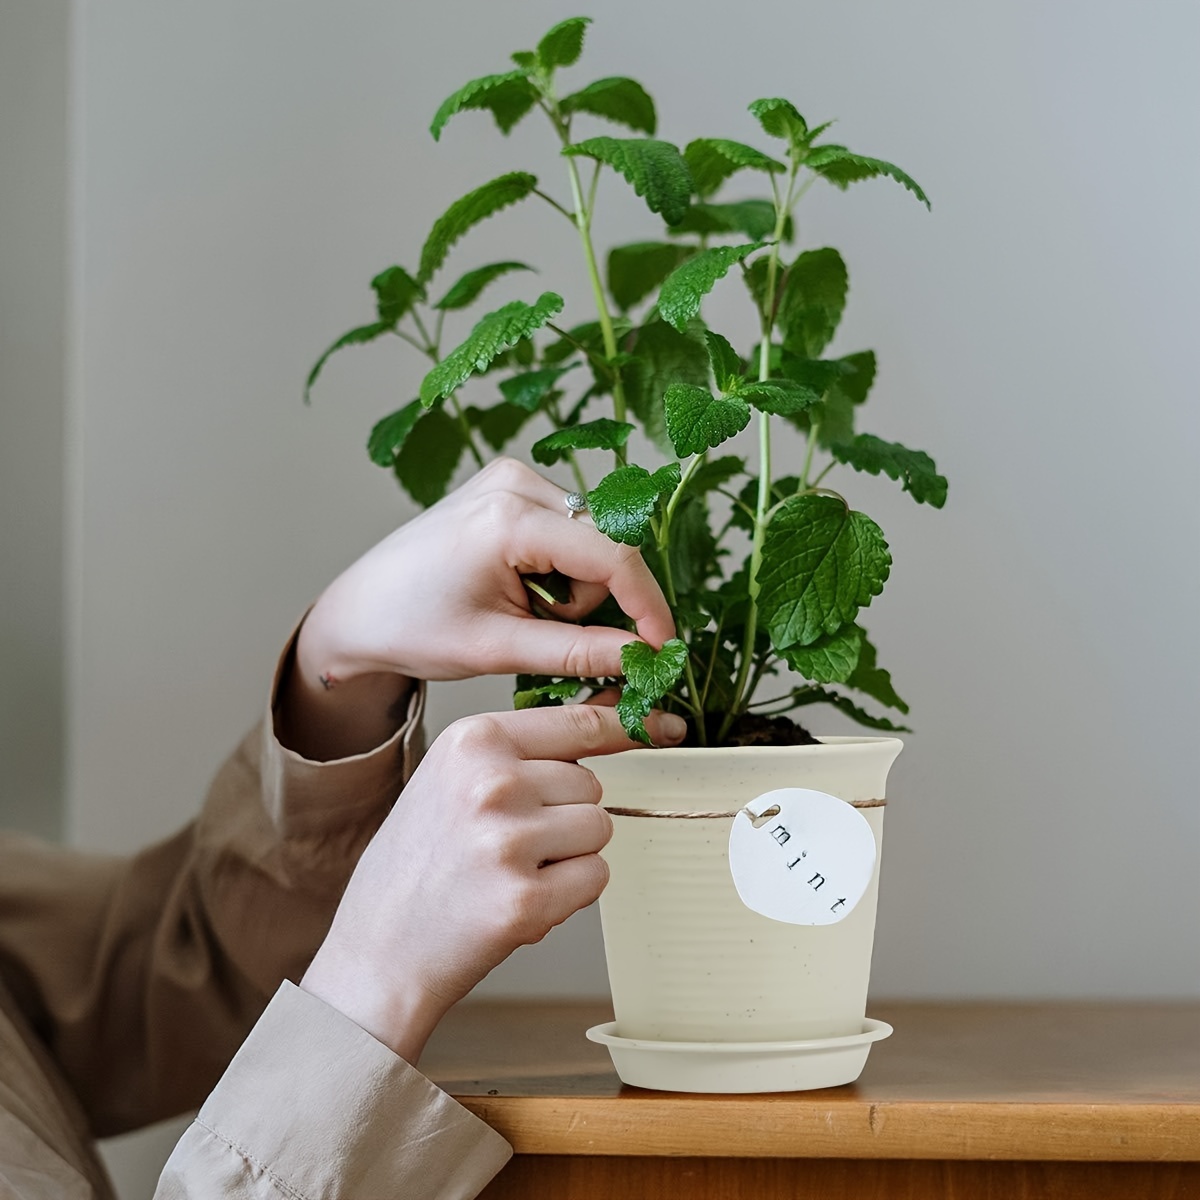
(649, 675)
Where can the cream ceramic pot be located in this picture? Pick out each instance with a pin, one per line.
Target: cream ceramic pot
(687, 960)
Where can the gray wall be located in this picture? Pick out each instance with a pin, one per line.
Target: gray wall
(245, 169)
(33, 251)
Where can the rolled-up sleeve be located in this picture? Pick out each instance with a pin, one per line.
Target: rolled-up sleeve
(312, 1106)
(141, 976)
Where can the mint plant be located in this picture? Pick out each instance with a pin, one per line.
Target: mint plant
(647, 359)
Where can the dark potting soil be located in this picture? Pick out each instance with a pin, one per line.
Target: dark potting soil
(751, 729)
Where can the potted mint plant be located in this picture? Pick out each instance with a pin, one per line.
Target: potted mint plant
(767, 570)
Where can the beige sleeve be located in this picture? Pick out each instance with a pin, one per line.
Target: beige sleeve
(143, 975)
(312, 1106)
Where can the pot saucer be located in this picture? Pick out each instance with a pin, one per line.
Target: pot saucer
(739, 1066)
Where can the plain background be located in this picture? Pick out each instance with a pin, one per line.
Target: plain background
(181, 239)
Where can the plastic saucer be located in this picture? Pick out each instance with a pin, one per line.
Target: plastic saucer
(739, 1066)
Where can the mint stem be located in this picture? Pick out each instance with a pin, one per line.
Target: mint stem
(583, 220)
(761, 520)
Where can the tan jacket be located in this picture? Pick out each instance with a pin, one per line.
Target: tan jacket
(128, 984)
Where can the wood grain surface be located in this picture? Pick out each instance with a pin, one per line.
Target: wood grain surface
(974, 1084)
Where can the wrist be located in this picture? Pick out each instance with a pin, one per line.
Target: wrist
(397, 1012)
(328, 707)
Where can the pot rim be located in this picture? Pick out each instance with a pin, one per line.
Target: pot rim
(829, 745)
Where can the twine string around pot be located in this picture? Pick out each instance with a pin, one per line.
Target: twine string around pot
(686, 815)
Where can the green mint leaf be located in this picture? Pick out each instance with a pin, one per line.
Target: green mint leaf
(872, 680)
(623, 502)
(395, 290)
(846, 705)
(686, 286)
(498, 424)
(841, 168)
(844, 384)
(356, 337)
(525, 59)
(821, 564)
(811, 301)
(601, 434)
(713, 160)
(634, 271)
(832, 658)
(495, 333)
(727, 364)
(716, 474)
(467, 212)
(857, 376)
(429, 456)
(359, 336)
(655, 170)
(755, 276)
(633, 708)
(697, 422)
(779, 397)
(653, 673)
(754, 219)
(388, 435)
(780, 119)
(467, 289)
(508, 97)
(617, 99)
(563, 45)
(914, 468)
(547, 694)
(529, 389)
(661, 356)
(817, 374)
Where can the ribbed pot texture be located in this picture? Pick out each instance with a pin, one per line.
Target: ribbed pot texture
(687, 961)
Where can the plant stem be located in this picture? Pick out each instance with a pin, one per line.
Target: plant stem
(828, 467)
(712, 660)
(431, 349)
(573, 462)
(412, 341)
(583, 221)
(662, 535)
(566, 212)
(782, 209)
(466, 428)
(814, 430)
(673, 503)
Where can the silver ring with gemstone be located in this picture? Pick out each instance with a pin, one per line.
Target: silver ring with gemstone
(576, 502)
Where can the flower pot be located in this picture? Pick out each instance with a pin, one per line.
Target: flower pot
(688, 962)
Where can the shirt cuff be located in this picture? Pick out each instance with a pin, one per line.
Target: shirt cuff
(302, 795)
(320, 1108)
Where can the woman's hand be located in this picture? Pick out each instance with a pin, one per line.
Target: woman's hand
(494, 841)
(442, 598)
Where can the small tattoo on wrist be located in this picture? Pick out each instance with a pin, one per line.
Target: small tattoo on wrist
(328, 681)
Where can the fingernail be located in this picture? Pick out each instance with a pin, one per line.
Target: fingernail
(670, 727)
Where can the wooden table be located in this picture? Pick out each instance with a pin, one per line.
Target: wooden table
(964, 1101)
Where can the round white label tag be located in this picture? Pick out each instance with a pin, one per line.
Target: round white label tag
(801, 856)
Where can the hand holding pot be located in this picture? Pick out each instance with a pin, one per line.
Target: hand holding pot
(442, 598)
(495, 841)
